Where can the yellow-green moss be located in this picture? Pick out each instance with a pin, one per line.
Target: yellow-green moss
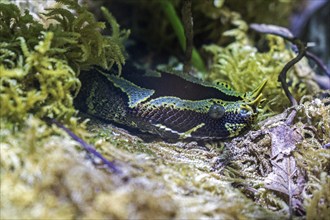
(241, 65)
(39, 65)
(45, 175)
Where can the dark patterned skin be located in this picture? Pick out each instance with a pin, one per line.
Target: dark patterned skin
(113, 98)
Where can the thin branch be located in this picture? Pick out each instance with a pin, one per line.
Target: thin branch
(176, 24)
(274, 30)
(282, 75)
(287, 35)
(188, 31)
(326, 146)
(87, 147)
(291, 117)
(318, 62)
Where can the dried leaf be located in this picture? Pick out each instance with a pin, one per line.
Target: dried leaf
(284, 139)
(286, 177)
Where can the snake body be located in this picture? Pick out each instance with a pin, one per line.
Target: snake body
(169, 104)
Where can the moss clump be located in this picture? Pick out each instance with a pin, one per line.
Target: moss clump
(241, 65)
(39, 65)
(318, 198)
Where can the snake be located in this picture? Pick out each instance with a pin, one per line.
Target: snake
(168, 103)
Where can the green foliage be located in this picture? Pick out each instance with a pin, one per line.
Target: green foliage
(177, 26)
(216, 21)
(79, 34)
(318, 198)
(213, 18)
(43, 85)
(115, 47)
(39, 65)
(243, 67)
(260, 11)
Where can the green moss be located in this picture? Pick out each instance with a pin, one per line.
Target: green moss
(241, 65)
(171, 182)
(40, 65)
(318, 198)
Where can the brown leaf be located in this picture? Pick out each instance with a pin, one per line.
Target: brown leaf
(286, 177)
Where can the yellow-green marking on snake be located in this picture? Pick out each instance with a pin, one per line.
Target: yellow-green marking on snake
(169, 104)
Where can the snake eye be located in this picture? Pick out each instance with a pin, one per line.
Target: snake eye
(243, 111)
(216, 111)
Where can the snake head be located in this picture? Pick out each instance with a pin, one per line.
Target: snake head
(247, 109)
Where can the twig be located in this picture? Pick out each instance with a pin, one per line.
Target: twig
(287, 35)
(188, 31)
(291, 117)
(274, 30)
(86, 146)
(282, 75)
(326, 146)
(176, 24)
(318, 62)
